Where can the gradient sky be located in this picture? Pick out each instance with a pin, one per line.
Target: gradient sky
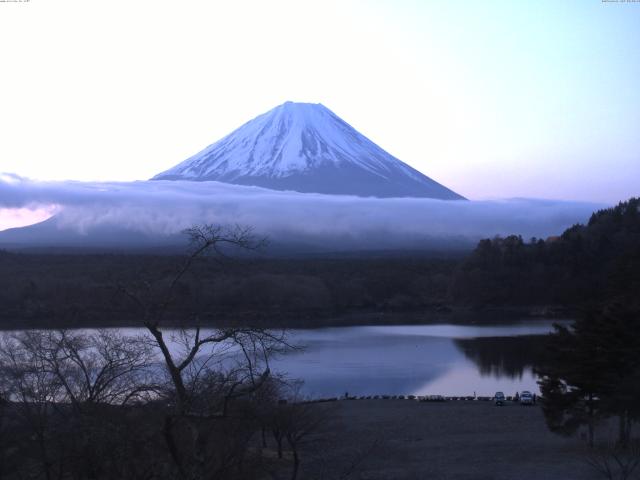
(493, 99)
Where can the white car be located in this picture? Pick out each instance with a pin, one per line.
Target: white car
(526, 398)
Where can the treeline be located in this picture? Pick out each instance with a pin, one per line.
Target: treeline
(83, 290)
(587, 264)
(590, 376)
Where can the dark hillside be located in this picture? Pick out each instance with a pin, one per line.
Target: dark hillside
(586, 264)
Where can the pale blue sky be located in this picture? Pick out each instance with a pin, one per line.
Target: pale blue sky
(493, 99)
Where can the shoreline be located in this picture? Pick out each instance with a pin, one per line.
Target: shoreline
(441, 314)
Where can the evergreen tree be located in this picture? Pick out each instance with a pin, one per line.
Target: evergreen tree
(593, 372)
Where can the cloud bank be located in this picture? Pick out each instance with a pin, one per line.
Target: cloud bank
(164, 208)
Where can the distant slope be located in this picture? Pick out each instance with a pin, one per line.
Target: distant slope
(50, 234)
(306, 148)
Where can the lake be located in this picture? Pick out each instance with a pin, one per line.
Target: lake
(444, 359)
(417, 360)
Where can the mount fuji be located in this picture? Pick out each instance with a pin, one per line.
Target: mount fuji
(305, 147)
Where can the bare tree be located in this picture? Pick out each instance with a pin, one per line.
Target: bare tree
(206, 368)
(180, 401)
(614, 461)
(59, 386)
(33, 390)
(295, 420)
(105, 367)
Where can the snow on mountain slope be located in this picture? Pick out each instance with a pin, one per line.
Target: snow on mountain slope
(306, 148)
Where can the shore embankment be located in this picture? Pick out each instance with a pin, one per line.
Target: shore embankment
(453, 440)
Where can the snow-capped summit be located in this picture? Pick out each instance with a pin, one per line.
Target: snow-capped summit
(305, 147)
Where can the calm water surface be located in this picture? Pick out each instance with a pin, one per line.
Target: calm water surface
(419, 360)
(441, 359)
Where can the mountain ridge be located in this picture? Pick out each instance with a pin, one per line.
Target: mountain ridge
(306, 148)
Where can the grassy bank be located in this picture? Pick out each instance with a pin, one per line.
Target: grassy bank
(459, 440)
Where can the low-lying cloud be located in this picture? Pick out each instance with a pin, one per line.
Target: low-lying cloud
(164, 208)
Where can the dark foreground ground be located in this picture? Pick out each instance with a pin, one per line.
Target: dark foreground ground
(403, 439)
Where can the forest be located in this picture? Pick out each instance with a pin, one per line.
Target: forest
(586, 264)
(559, 275)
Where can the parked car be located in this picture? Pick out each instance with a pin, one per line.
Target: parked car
(499, 399)
(526, 398)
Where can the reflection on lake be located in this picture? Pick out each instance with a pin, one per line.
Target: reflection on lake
(419, 360)
(504, 356)
(441, 359)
